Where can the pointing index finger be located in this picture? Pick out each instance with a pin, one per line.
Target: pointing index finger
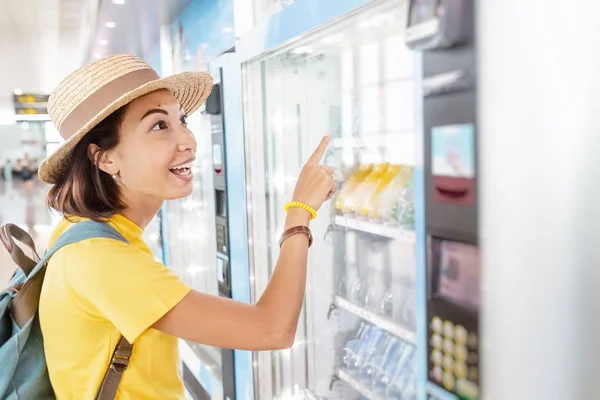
(316, 156)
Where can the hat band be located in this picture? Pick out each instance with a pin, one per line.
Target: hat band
(104, 97)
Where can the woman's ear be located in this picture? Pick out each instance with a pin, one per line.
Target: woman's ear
(102, 159)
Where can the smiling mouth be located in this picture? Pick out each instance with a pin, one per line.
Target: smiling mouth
(184, 169)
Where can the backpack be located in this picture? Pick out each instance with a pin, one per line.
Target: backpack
(23, 370)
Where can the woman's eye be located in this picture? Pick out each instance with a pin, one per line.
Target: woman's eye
(184, 120)
(159, 126)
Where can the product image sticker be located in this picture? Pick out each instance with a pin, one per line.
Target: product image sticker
(453, 151)
(459, 274)
(453, 163)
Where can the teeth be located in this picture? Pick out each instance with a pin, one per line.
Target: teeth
(188, 165)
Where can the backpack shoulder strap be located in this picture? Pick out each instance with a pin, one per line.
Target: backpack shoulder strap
(25, 304)
(122, 353)
(78, 232)
(11, 232)
(29, 297)
(114, 373)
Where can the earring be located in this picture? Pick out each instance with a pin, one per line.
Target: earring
(114, 176)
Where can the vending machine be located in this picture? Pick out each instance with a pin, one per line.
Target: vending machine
(442, 30)
(343, 67)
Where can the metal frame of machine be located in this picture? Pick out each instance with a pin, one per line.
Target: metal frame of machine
(226, 67)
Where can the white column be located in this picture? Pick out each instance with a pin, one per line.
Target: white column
(539, 149)
(243, 17)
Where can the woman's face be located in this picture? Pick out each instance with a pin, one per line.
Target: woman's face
(156, 150)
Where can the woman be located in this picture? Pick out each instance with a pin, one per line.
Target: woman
(127, 150)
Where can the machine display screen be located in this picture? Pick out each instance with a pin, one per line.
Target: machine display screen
(458, 279)
(422, 10)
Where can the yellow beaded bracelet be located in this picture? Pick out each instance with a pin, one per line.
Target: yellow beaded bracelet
(298, 204)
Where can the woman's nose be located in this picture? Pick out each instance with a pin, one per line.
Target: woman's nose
(187, 141)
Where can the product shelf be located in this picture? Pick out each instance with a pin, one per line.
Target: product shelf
(394, 329)
(392, 232)
(356, 385)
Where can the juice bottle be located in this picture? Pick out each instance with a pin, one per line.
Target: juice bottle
(353, 202)
(370, 207)
(351, 184)
(391, 195)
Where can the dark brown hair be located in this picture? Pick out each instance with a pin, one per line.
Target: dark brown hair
(84, 190)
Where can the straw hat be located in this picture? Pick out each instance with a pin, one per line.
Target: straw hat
(96, 90)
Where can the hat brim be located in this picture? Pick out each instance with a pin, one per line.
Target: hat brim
(190, 88)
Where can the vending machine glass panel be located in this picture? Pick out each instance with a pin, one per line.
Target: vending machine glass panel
(353, 78)
(153, 237)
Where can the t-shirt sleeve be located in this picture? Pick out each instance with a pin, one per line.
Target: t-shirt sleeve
(126, 285)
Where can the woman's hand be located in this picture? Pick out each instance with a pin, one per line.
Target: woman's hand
(315, 184)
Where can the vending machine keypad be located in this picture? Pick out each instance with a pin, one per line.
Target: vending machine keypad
(454, 358)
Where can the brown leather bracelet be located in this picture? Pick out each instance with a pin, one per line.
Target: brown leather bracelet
(294, 231)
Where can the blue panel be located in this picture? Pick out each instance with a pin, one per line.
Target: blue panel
(236, 199)
(202, 32)
(421, 244)
(164, 234)
(293, 21)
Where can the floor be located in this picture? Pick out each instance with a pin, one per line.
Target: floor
(31, 214)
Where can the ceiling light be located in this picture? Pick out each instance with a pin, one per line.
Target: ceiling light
(18, 92)
(118, 2)
(227, 30)
(103, 42)
(110, 24)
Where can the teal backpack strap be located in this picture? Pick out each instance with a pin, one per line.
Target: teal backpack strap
(25, 304)
(78, 232)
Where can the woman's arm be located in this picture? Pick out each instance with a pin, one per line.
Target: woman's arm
(271, 323)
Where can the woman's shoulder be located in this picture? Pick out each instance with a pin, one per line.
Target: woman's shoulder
(97, 250)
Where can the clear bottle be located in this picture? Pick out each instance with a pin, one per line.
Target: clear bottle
(366, 348)
(403, 376)
(353, 344)
(373, 359)
(406, 206)
(394, 364)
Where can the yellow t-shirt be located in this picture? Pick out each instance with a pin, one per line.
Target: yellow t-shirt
(93, 292)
